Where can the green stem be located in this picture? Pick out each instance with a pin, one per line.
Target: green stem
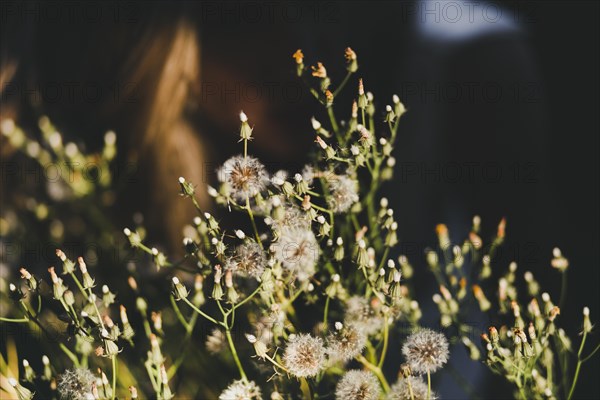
(13, 319)
(563, 290)
(114, 376)
(199, 311)
(339, 89)
(376, 370)
(591, 354)
(180, 316)
(326, 312)
(235, 355)
(251, 215)
(428, 385)
(386, 334)
(334, 124)
(410, 389)
(578, 366)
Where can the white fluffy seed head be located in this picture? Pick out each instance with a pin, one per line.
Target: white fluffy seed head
(426, 351)
(358, 385)
(304, 355)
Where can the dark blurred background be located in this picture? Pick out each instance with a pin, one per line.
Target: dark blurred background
(502, 122)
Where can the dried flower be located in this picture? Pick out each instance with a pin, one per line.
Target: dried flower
(344, 193)
(241, 390)
(298, 251)
(245, 176)
(361, 315)
(410, 388)
(358, 385)
(345, 343)
(425, 351)
(304, 355)
(249, 259)
(76, 384)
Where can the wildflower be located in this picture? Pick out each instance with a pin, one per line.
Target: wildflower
(319, 71)
(298, 251)
(241, 390)
(346, 342)
(259, 346)
(344, 193)
(88, 281)
(389, 114)
(304, 355)
(410, 388)
(362, 315)
(246, 176)
(484, 303)
(31, 281)
(249, 259)
(298, 56)
(358, 385)
(352, 64)
(76, 384)
(426, 351)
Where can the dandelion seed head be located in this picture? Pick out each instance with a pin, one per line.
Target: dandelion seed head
(304, 355)
(76, 384)
(361, 314)
(249, 259)
(425, 350)
(298, 251)
(246, 176)
(240, 390)
(401, 391)
(358, 385)
(344, 193)
(346, 342)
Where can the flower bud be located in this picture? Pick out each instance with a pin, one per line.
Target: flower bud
(179, 291)
(351, 60)
(245, 129)
(587, 324)
(259, 347)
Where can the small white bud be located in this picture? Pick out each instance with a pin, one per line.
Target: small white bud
(276, 201)
(390, 212)
(545, 297)
(396, 99)
(388, 108)
(362, 244)
(338, 325)
(556, 252)
(586, 311)
(383, 202)
(298, 178)
(175, 280)
(104, 289)
(310, 287)
(382, 141)
(243, 117)
(154, 251)
(127, 232)
(207, 215)
(214, 241)
(12, 287)
(315, 124)
(181, 179)
(354, 150)
(45, 360)
(240, 234)
(12, 382)
(212, 192)
(25, 363)
(339, 241)
(391, 264)
(321, 219)
(110, 138)
(251, 338)
(335, 278)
